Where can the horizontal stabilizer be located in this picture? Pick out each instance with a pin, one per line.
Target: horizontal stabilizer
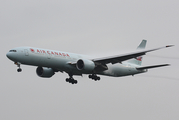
(153, 66)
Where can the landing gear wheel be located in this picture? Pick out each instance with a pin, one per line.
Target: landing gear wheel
(71, 80)
(67, 80)
(19, 70)
(75, 81)
(90, 76)
(94, 77)
(18, 65)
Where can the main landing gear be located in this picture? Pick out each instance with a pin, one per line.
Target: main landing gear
(71, 80)
(18, 65)
(94, 77)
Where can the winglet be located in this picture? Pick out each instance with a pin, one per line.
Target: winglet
(169, 45)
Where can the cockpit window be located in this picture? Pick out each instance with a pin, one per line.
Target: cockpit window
(12, 51)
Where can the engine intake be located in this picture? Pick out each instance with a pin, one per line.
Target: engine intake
(87, 66)
(45, 72)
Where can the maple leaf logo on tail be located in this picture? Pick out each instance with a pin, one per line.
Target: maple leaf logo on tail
(139, 58)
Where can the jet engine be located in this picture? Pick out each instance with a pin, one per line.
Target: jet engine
(45, 72)
(86, 66)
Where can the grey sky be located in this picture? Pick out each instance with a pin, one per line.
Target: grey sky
(99, 28)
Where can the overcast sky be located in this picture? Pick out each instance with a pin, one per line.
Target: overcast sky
(97, 28)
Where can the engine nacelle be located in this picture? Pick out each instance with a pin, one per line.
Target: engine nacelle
(87, 66)
(45, 72)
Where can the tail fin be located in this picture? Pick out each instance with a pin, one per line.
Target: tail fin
(142, 44)
(138, 60)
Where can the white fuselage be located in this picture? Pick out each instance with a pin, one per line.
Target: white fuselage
(61, 61)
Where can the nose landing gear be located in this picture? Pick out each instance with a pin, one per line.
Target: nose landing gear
(18, 65)
(19, 70)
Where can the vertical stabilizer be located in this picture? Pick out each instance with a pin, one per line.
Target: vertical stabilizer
(138, 60)
(142, 44)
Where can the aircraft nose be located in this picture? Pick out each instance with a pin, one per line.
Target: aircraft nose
(8, 55)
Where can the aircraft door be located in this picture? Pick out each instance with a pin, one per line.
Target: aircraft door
(48, 56)
(26, 52)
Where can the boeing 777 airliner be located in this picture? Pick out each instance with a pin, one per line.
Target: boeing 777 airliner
(50, 61)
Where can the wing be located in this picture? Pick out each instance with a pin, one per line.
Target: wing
(121, 58)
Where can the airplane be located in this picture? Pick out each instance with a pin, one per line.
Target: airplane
(49, 62)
